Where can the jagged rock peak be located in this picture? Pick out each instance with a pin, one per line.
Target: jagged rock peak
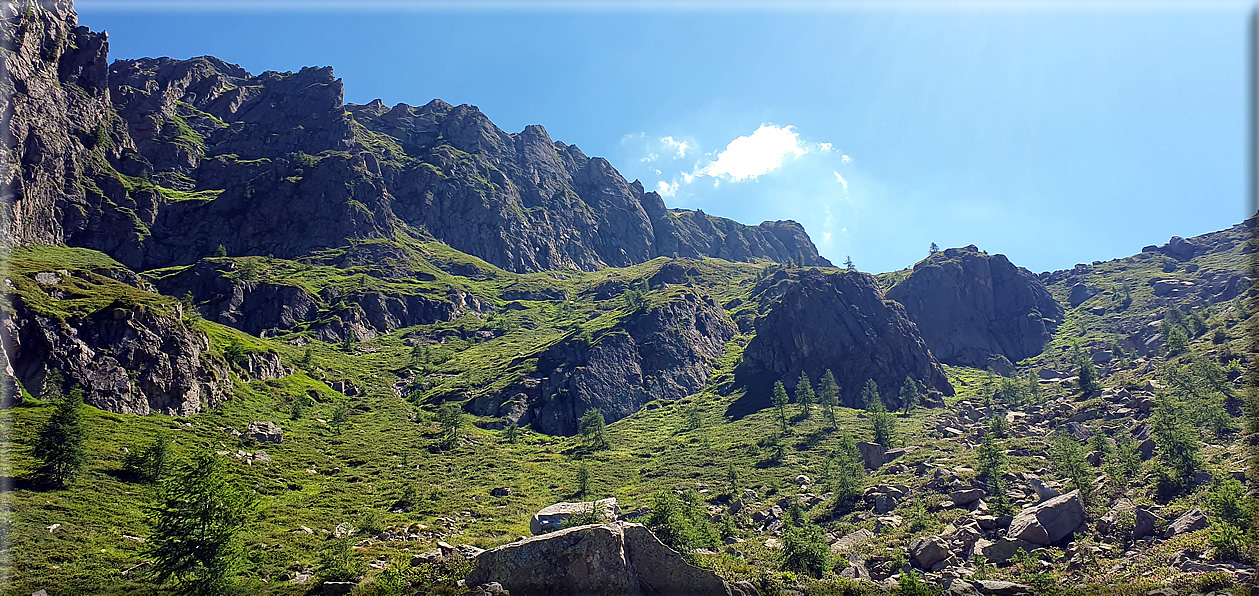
(819, 319)
(970, 305)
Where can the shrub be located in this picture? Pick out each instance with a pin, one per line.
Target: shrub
(805, 549)
(338, 562)
(681, 522)
(150, 464)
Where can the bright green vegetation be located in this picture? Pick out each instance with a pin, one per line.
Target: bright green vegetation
(400, 456)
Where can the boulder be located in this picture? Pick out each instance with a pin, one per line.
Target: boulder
(963, 498)
(552, 518)
(928, 551)
(1044, 492)
(1192, 520)
(1001, 550)
(1050, 521)
(851, 541)
(993, 587)
(264, 432)
(1145, 523)
(616, 558)
(337, 588)
(871, 454)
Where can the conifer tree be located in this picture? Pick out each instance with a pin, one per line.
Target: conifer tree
(804, 395)
(780, 404)
(450, 416)
(870, 397)
(847, 470)
(934, 248)
(910, 397)
(197, 522)
(51, 391)
(828, 396)
(591, 429)
(59, 442)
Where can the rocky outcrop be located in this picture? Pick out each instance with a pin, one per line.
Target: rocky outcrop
(970, 305)
(663, 351)
(128, 360)
(226, 294)
(819, 319)
(617, 558)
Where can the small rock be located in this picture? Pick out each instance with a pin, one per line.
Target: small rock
(264, 432)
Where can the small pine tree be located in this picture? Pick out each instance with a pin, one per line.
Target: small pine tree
(450, 416)
(933, 249)
(1070, 462)
(59, 442)
(1086, 372)
(347, 343)
(804, 547)
(847, 469)
(1179, 446)
(991, 458)
(780, 404)
(340, 416)
(221, 251)
(197, 522)
(151, 464)
(307, 356)
(804, 395)
(51, 391)
(870, 397)
(591, 428)
(732, 478)
(583, 479)
(999, 426)
(512, 433)
(910, 396)
(883, 427)
(1035, 394)
(828, 396)
(848, 264)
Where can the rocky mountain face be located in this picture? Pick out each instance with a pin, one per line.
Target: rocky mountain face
(232, 295)
(133, 356)
(970, 305)
(817, 319)
(158, 162)
(662, 351)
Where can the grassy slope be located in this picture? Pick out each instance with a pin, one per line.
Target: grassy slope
(390, 444)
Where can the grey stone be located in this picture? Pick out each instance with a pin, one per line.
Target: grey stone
(1192, 520)
(1050, 521)
(928, 551)
(551, 518)
(264, 432)
(617, 558)
(871, 454)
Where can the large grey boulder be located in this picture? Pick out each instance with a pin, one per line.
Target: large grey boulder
(618, 558)
(552, 518)
(265, 432)
(1192, 520)
(928, 551)
(1001, 550)
(871, 455)
(1050, 521)
(1044, 492)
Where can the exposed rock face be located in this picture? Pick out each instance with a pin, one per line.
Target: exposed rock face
(617, 558)
(157, 162)
(264, 431)
(969, 306)
(173, 373)
(830, 319)
(660, 352)
(224, 295)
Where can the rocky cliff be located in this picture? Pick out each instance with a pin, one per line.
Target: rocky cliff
(817, 319)
(661, 351)
(158, 162)
(970, 305)
(132, 351)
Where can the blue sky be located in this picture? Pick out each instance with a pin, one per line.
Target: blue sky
(1054, 136)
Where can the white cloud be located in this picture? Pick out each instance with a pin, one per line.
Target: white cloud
(757, 154)
(658, 172)
(826, 236)
(678, 147)
(650, 158)
(828, 220)
(840, 179)
(846, 159)
(824, 147)
(667, 189)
